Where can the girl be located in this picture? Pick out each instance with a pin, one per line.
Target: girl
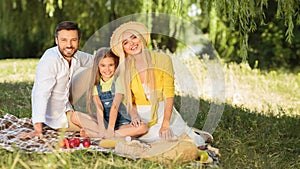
(148, 85)
(101, 91)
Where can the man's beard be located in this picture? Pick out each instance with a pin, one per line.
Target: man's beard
(67, 55)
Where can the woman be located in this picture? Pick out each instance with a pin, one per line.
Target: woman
(146, 81)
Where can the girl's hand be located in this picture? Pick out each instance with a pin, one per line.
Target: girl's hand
(136, 121)
(102, 132)
(166, 133)
(109, 132)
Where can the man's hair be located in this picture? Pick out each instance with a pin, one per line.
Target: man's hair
(67, 25)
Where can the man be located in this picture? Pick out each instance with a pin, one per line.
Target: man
(50, 93)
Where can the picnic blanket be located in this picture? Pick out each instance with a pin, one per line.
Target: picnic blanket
(11, 126)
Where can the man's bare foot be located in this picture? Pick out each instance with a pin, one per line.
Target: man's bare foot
(83, 133)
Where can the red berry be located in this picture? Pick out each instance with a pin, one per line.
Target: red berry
(76, 141)
(86, 143)
(72, 144)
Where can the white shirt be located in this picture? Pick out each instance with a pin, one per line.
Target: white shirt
(50, 93)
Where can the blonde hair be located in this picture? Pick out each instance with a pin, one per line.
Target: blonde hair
(99, 55)
(126, 73)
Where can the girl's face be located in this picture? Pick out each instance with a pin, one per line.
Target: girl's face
(132, 44)
(107, 68)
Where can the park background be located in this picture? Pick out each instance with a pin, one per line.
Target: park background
(258, 42)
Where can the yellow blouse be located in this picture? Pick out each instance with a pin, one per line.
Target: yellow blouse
(164, 80)
(164, 84)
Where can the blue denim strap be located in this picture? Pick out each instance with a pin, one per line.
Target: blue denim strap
(112, 89)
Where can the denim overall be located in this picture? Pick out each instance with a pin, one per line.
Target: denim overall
(106, 100)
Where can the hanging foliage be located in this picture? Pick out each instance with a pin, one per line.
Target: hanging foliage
(233, 26)
(247, 15)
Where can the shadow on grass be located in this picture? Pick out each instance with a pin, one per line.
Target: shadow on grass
(15, 98)
(248, 139)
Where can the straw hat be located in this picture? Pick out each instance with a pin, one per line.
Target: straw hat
(134, 27)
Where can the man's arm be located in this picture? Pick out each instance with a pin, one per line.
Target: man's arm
(43, 85)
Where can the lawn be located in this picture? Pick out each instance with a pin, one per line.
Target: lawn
(259, 127)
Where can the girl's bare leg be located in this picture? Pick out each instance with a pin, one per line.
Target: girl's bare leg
(89, 134)
(88, 124)
(128, 130)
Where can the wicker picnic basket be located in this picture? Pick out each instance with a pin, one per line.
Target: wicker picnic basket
(167, 152)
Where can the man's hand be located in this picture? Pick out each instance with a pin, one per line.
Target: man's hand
(31, 134)
(38, 131)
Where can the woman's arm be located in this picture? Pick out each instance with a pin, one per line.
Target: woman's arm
(165, 132)
(168, 111)
(168, 92)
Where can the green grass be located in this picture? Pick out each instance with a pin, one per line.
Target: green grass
(259, 127)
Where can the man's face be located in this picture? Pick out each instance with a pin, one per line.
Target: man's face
(68, 42)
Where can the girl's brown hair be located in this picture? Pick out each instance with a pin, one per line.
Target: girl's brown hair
(100, 54)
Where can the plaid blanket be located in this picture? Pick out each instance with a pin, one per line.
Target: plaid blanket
(11, 126)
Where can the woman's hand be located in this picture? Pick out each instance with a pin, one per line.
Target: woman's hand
(166, 133)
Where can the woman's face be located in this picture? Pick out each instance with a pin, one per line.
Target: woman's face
(132, 44)
(107, 68)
